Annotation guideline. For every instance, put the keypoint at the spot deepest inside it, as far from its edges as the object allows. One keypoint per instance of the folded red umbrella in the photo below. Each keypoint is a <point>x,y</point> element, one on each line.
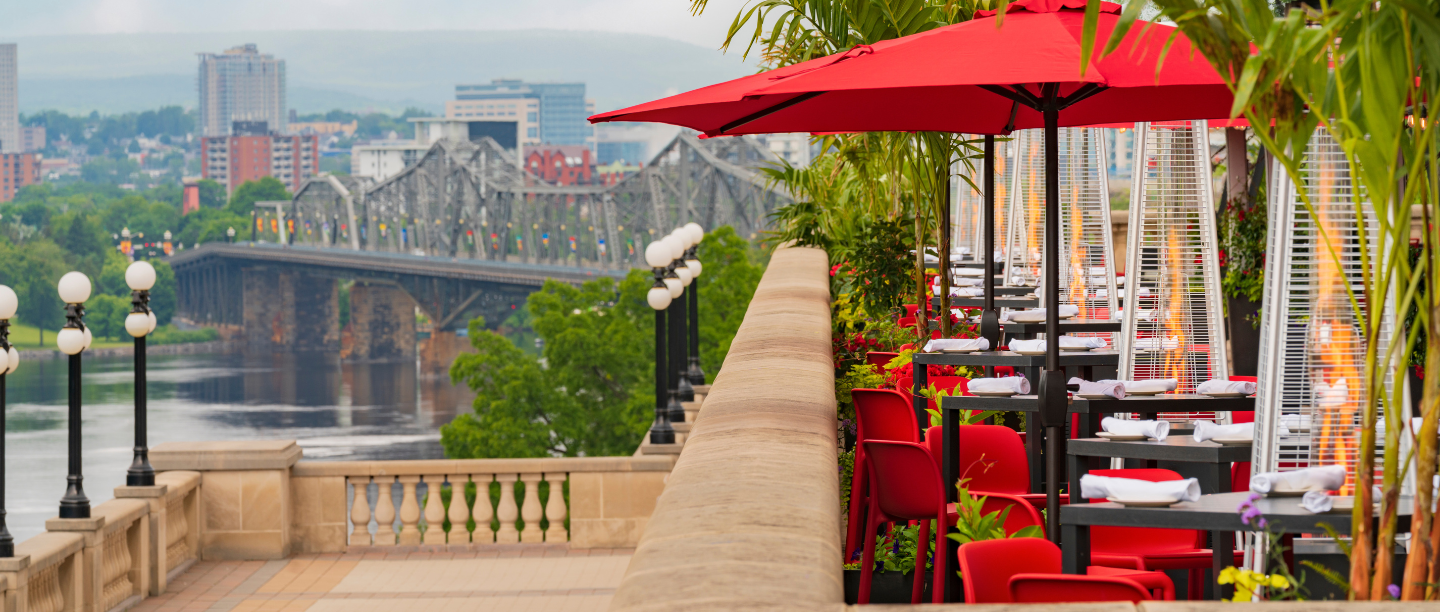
<point>982,76</point>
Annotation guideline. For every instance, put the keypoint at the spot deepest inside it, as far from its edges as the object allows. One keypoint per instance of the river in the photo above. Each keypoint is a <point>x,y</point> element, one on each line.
<point>337,411</point>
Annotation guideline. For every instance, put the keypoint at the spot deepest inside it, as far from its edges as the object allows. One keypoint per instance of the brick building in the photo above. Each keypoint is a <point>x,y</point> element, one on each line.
<point>252,152</point>
<point>16,171</point>
<point>561,164</point>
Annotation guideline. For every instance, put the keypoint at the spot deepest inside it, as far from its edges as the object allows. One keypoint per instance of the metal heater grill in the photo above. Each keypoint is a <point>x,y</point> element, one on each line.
<point>967,202</point>
<point>1173,317</point>
<point>1312,348</point>
<point>1087,260</point>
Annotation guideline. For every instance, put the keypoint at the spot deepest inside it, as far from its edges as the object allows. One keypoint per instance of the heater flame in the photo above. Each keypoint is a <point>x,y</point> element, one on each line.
<point>1333,338</point>
<point>1078,270</point>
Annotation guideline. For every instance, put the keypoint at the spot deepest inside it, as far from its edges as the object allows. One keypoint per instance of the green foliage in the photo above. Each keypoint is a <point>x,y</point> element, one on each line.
<point>1241,227</point>
<point>169,334</point>
<point>105,316</point>
<point>33,270</point>
<point>212,194</point>
<point>879,271</point>
<point>83,239</point>
<point>974,525</point>
<point>209,225</point>
<point>860,376</point>
<point>264,189</point>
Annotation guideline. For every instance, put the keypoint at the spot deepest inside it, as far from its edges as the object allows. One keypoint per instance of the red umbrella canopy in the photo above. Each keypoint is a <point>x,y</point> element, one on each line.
<point>984,76</point>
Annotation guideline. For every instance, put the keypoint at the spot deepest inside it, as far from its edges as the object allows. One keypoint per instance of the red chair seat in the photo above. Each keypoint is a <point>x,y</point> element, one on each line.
<point>1152,581</point>
<point>1065,588</point>
<point>990,568</point>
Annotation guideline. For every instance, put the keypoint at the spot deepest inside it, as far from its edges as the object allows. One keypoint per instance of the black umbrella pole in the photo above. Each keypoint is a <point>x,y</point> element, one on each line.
<point>1054,473</point>
<point>989,317</point>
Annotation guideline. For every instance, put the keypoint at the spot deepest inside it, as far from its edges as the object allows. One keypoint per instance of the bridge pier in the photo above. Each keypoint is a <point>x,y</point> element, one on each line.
<point>287,311</point>
<point>382,323</point>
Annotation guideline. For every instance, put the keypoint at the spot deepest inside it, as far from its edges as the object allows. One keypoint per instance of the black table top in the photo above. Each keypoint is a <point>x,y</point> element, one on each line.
<point>979,302</point>
<point>1143,404</point>
<point>1218,512</point>
<point>1007,358</point>
<point>1172,448</point>
<point>1067,326</point>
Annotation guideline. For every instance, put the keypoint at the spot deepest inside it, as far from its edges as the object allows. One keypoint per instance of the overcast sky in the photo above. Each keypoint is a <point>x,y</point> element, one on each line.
<point>669,18</point>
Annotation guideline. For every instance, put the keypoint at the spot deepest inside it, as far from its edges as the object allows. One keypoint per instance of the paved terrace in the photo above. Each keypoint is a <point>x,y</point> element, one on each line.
<point>521,577</point>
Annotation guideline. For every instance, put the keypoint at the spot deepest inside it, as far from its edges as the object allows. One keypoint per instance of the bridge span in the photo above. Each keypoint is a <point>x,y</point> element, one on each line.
<point>286,297</point>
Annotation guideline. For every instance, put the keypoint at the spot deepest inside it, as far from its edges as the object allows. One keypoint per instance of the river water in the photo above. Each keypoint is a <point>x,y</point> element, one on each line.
<point>337,411</point>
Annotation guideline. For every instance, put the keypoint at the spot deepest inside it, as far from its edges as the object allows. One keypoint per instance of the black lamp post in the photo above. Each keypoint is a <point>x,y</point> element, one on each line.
<point>694,373</point>
<point>9,360</point>
<point>253,226</point>
<point>72,340</point>
<point>140,276</point>
<point>679,273</point>
<point>657,255</point>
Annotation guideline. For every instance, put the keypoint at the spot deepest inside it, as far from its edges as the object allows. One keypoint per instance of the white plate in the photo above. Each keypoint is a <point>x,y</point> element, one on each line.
<point>959,351</point>
<point>1233,441</point>
<point>1031,353</point>
<point>1078,349</point>
<point>1144,502</point>
<point>1063,317</point>
<point>992,393</point>
<point>1144,393</point>
<point>1093,396</point>
<point>1287,493</point>
<point>1120,437</point>
<point>1225,394</point>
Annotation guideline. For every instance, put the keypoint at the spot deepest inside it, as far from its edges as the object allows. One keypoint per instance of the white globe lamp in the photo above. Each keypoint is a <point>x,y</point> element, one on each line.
<point>9,302</point>
<point>658,297</point>
<point>70,340</point>
<point>658,254</point>
<point>74,288</point>
<point>137,324</point>
<point>140,276</point>
<point>13,360</point>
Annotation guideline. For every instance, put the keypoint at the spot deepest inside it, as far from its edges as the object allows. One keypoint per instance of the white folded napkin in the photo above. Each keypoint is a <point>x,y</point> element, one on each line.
<point>1142,314</point>
<point>968,282</point>
<point>1120,279</point>
<point>1100,487</point>
<point>969,291</point>
<point>1150,429</point>
<point>1294,423</point>
<point>1078,342</point>
<point>956,344</point>
<point>1216,385</point>
<point>1318,502</point>
<point>1027,345</point>
<point>979,272</point>
<point>1323,478</point>
<point>1035,315</point>
<point>1161,385</point>
<point>1018,384</point>
<point>1205,430</point>
<point>1113,388</point>
<point>1141,292</point>
<point>1157,344</point>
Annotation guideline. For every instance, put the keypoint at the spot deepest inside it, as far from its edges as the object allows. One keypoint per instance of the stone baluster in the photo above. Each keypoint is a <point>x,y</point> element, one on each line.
<point>484,512</point>
<point>360,511</point>
<point>531,510</point>
<point>459,510</point>
<point>45,595</point>
<point>434,511</point>
<point>506,512</point>
<point>384,512</point>
<point>555,510</point>
<point>409,511</point>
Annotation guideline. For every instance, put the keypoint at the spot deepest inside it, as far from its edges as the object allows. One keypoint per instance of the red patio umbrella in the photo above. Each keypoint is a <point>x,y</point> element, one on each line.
<point>985,76</point>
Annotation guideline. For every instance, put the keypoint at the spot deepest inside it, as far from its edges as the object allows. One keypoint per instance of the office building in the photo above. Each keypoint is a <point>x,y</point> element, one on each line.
<point>241,84</point>
<point>9,100</point>
<point>551,113</point>
<point>627,151</point>
<point>1120,148</point>
<point>16,171</point>
<point>251,151</point>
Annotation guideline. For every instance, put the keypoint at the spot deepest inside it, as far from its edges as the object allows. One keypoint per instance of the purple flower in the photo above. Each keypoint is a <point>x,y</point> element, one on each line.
<point>1394,591</point>
<point>1248,512</point>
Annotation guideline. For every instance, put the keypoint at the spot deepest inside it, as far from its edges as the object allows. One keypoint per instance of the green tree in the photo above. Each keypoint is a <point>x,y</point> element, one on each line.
<point>33,270</point>
<point>83,239</point>
<point>266,189</point>
<point>162,295</point>
<point>105,315</point>
<point>212,194</point>
<point>730,273</point>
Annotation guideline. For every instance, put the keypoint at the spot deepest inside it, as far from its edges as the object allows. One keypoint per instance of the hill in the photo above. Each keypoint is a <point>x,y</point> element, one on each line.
<point>360,69</point>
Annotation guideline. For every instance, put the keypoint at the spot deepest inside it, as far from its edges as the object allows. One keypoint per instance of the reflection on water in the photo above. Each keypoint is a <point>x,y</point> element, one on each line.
<point>337,411</point>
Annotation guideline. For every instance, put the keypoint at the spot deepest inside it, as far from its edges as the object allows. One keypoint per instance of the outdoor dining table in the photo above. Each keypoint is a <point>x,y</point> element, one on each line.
<point>1029,329</point>
<point>1212,460</point>
<point>979,302</point>
<point>1217,514</point>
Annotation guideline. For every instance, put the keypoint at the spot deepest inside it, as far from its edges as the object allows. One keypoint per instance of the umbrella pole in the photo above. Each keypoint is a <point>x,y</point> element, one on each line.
<point>1052,393</point>
<point>989,318</point>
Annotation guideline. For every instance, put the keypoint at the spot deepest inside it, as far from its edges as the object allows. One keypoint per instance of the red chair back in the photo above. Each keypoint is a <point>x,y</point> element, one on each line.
<point>993,458</point>
<point>1066,588</point>
<point>1142,540</point>
<point>905,482</point>
<point>884,414</point>
<point>1021,515</point>
<point>987,566</point>
<point>878,359</point>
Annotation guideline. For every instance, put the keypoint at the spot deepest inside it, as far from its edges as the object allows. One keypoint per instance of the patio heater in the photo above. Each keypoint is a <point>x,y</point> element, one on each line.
<point>1087,264</point>
<point>1178,329</point>
<point>1312,349</point>
<point>968,201</point>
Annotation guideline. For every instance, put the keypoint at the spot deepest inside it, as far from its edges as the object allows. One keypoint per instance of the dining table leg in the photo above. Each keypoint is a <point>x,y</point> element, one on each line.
<point>950,466</point>
<point>1223,555</point>
<point>1077,466</point>
<point>920,382</point>
<point>1075,548</point>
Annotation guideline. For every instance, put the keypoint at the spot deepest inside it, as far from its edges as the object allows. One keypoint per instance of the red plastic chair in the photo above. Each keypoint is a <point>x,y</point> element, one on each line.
<point>989,566</point>
<point>906,486</point>
<point>881,414</point>
<point>878,359</point>
<point>993,458</point>
<point>1144,548</point>
<point>1045,588</point>
<point>1021,514</point>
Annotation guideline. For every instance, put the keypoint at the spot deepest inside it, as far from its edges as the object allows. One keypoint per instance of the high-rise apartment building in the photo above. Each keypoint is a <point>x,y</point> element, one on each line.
<point>552,113</point>
<point>9,100</point>
<point>16,171</point>
<point>252,152</point>
<point>241,84</point>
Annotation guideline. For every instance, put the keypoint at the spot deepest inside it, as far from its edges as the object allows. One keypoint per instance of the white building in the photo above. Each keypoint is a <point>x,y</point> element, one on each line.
<point>9,101</point>
<point>793,148</point>
<point>384,159</point>
<point>241,84</point>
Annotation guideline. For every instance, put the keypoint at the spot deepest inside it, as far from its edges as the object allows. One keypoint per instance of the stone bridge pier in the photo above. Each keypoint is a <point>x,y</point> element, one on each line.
<point>287,311</point>
<point>382,323</point>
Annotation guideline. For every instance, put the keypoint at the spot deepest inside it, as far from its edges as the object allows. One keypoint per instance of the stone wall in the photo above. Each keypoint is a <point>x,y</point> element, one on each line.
<point>382,323</point>
<point>285,311</point>
<point>749,518</point>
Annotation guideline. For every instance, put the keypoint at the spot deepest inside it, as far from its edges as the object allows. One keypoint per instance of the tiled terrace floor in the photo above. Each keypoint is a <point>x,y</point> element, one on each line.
<point>525,577</point>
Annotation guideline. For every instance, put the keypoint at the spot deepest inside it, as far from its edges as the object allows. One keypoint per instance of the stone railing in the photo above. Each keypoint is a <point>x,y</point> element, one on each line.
<point>111,560</point>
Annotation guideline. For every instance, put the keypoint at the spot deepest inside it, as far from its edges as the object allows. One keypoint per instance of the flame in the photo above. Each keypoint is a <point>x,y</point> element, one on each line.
<point>1333,339</point>
<point>1034,209</point>
<point>1175,362</point>
<point>1000,200</point>
<point>1078,270</point>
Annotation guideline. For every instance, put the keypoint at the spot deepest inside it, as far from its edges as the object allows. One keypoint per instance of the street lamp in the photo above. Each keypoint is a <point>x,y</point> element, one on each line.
<point>11,360</point>
<point>140,276</point>
<point>680,389</point>
<point>694,373</point>
<point>658,256</point>
<point>74,338</point>
<point>253,226</point>
<point>230,234</point>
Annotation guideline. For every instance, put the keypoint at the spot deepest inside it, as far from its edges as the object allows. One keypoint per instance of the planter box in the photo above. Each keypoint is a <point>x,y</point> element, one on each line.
<point>886,587</point>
